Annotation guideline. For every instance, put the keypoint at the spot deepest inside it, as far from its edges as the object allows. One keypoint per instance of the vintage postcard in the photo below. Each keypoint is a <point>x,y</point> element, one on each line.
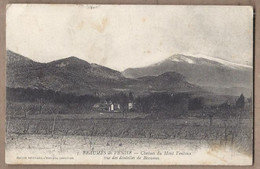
<point>129,84</point>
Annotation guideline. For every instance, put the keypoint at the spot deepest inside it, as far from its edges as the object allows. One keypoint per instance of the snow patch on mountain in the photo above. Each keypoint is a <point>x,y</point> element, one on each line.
<point>193,59</point>
<point>222,61</point>
<point>62,64</point>
<point>181,58</point>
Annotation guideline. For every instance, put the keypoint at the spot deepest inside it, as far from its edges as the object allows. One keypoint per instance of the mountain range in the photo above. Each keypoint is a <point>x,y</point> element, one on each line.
<point>215,75</point>
<point>178,73</point>
<point>73,75</point>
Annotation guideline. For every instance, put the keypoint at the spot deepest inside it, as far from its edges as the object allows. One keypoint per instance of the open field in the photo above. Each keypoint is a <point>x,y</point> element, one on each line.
<point>81,116</point>
<point>224,131</point>
<point>26,149</point>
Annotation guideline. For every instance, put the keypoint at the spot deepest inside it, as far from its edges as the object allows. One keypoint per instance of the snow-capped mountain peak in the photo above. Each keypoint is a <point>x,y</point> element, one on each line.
<point>222,61</point>
<point>204,59</point>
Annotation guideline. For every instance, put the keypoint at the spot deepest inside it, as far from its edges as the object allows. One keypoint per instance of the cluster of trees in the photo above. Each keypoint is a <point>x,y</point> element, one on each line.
<point>48,96</point>
<point>240,103</point>
<point>196,103</point>
<point>163,104</point>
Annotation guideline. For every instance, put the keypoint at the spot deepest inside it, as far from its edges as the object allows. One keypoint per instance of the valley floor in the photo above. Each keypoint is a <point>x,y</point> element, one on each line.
<point>43,149</point>
<point>131,138</point>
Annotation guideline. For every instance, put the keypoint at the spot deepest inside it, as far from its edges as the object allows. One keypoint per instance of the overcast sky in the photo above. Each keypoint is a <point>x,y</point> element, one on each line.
<point>123,36</point>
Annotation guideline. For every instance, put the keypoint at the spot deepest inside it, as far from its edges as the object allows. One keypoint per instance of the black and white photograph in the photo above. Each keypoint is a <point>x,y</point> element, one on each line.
<point>129,84</point>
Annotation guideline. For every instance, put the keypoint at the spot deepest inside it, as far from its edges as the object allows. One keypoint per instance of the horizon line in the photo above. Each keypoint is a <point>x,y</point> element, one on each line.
<point>194,56</point>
